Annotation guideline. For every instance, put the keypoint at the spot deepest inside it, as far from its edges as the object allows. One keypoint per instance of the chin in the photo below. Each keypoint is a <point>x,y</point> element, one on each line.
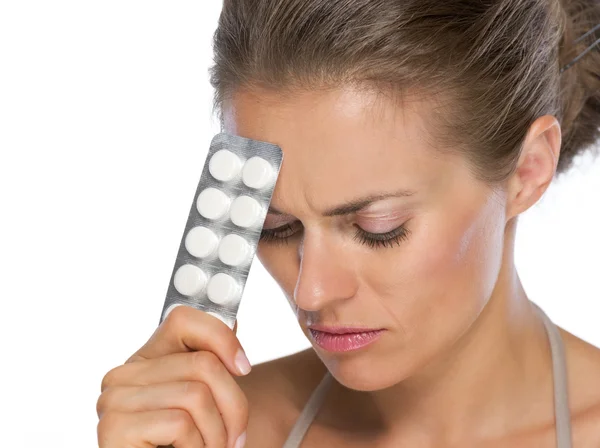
<point>362,372</point>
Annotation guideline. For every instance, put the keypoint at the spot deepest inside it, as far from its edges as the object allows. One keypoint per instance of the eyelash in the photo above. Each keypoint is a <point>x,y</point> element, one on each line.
<point>373,240</point>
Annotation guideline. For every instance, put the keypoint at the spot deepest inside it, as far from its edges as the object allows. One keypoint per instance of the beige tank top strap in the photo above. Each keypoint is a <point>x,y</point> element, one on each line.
<point>309,413</point>
<point>561,397</point>
<point>562,414</point>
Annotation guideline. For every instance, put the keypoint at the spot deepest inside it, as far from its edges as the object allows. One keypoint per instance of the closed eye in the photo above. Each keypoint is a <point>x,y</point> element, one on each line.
<point>282,235</point>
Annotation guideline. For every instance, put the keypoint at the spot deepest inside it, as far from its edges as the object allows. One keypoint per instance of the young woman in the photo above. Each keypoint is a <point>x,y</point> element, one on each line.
<point>414,134</point>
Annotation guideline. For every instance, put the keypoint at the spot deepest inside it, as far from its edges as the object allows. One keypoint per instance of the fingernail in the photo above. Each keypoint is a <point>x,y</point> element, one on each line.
<point>242,363</point>
<point>241,441</point>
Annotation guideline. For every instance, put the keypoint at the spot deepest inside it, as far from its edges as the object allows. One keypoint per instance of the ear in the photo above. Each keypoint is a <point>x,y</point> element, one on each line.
<point>536,165</point>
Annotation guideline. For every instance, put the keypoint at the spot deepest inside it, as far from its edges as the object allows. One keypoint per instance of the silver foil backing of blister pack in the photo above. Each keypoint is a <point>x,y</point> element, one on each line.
<point>244,148</point>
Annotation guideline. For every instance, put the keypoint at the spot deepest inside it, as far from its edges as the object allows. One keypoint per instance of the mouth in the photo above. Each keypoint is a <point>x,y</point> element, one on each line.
<point>343,339</point>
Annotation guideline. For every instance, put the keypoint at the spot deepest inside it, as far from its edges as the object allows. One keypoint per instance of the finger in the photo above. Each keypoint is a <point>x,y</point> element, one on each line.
<point>193,397</point>
<point>202,367</point>
<point>148,430</point>
<point>188,329</point>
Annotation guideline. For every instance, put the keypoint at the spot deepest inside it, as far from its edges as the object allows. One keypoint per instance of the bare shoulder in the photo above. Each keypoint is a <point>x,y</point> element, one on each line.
<point>583,370</point>
<point>277,391</point>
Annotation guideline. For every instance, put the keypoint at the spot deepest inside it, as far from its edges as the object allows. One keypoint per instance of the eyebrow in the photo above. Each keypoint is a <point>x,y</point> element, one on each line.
<point>356,204</point>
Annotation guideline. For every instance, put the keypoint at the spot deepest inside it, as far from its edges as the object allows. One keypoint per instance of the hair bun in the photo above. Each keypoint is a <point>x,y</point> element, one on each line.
<point>580,84</point>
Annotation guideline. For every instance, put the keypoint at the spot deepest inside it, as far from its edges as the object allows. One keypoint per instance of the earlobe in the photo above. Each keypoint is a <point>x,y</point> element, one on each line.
<point>536,166</point>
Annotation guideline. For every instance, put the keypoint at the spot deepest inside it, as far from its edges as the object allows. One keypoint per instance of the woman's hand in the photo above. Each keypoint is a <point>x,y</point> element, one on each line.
<point>178,388</point>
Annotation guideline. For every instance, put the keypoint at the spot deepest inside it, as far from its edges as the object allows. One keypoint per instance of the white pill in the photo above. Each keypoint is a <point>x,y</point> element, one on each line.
<point>189,280</point>
<point>233,250</point>
<point>201,242</point>
<point>212,203</point>
<point>257,172</point>
<point>171,308</point>
<point>245,211</point>
<point>224,165</point>
<point>223,289</point>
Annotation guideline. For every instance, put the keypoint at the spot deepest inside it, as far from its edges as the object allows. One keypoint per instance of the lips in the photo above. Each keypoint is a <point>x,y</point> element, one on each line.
<point>343,339</point>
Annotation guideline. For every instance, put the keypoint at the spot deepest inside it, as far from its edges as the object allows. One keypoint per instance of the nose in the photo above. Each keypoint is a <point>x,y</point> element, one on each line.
<point>325,275</point>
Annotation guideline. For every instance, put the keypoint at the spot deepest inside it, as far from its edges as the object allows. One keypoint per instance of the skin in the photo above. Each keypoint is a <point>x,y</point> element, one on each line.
<point>464,359</point>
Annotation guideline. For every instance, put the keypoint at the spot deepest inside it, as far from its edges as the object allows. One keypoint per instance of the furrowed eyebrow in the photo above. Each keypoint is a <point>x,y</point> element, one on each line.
<point>354,205</point>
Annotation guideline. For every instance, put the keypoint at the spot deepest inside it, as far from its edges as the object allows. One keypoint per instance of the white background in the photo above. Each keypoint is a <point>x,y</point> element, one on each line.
<point>104,127</point>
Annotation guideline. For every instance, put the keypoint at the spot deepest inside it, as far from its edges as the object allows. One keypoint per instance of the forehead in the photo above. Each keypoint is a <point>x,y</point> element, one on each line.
<point>339,143</point>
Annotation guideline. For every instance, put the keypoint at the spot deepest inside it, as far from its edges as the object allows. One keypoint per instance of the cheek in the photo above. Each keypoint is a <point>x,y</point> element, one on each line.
<point>282,263</point>
<point>442,277</point>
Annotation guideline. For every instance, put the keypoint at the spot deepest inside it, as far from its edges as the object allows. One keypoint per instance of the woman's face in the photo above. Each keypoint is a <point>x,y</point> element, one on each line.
<point>419,265</point>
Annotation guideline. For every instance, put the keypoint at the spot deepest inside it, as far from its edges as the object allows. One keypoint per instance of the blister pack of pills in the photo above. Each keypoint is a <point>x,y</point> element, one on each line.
<point>224,225</point>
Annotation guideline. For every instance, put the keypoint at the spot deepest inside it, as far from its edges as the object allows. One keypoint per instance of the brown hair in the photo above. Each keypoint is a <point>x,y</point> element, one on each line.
<point>492,66</point>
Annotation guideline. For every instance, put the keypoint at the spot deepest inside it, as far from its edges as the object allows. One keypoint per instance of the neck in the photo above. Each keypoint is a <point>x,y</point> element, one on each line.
<point>495,381</point>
